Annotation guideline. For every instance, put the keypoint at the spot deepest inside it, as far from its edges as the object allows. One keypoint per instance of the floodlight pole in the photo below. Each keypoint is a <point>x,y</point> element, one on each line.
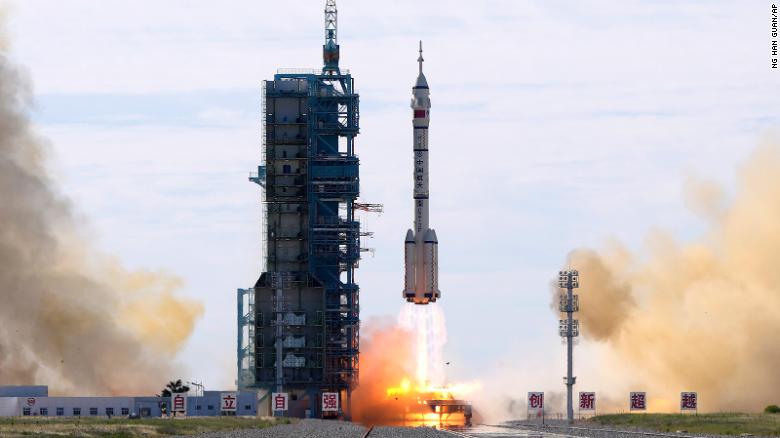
<point>569,328</point>
<point>569,358</point>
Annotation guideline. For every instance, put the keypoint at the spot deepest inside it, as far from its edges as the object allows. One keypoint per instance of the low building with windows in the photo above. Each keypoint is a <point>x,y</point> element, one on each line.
<point>34,401</point>
<point>75,406</point>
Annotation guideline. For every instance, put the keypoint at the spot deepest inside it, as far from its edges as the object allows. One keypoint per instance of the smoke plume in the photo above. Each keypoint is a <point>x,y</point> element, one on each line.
<point>72,317</point>
<point>699,316</point>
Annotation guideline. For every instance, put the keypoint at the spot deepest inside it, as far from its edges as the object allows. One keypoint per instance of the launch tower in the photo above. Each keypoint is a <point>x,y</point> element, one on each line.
<point>298,326</point>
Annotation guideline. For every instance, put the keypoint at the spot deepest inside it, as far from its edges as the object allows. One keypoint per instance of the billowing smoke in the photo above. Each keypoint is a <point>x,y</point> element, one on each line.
<point>72,317</point>
<point>698,316</point>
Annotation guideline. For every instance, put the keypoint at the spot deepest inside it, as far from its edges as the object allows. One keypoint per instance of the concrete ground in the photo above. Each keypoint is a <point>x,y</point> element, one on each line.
<point>559,429</point>
<point>310,428</point>
<point>339,429</point>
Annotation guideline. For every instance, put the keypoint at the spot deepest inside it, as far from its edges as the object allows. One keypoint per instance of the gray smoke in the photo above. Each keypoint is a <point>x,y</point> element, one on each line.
<point>72,317</point>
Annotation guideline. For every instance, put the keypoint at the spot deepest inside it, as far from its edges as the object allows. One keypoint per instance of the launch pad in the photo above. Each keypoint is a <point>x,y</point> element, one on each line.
<point>429,406</point>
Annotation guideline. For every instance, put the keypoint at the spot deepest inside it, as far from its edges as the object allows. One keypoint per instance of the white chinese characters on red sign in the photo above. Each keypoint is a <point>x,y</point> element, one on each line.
<point>279,401</point>
<point>228,402</point>
<point>179,404</point>
<point>587,401</point>
<point>536,403</point>
<point>689,401</point>
<point>330,402</point>
<point>638,401</point>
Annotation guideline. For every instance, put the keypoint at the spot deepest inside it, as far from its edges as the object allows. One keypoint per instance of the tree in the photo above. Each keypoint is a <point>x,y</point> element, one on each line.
<point>174,387</point>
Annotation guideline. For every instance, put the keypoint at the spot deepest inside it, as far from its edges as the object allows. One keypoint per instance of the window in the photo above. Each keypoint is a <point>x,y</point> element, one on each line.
<point>211,407</point>
<point>60,412</point>
<point>26,411</point>
<point>109,411</point>
<point>286,168</point>
<point>93,411</point>
<point>197,407</point>
<point>76,412</point>
<point>44,411</point>
<point>125,411</point>
<point>247,407</point>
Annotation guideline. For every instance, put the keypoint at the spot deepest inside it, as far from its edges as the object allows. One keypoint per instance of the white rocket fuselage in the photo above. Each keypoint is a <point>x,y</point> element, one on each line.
<point>421,254</point>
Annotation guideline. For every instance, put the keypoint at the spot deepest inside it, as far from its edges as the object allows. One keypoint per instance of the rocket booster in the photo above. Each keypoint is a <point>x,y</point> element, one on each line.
<point>421,248</point>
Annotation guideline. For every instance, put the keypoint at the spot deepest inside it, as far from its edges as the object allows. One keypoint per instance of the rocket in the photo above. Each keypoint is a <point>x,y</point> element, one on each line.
<point>421,248</point>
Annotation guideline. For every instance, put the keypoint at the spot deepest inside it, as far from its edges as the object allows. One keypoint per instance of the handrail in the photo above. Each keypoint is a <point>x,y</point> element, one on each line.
<point>306,71</point>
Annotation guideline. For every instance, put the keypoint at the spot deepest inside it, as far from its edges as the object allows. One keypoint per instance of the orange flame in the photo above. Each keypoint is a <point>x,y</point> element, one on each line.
<point>388,396</point>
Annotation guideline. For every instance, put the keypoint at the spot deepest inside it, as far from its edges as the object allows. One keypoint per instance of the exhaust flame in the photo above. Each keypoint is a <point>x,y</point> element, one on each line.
<point>427,325</point>
<point>402,373</point>
<point>72,317</point>
<point>700,316</point>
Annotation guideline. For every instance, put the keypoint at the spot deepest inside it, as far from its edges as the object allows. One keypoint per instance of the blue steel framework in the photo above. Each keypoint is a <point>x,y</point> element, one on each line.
<point>322,296</point>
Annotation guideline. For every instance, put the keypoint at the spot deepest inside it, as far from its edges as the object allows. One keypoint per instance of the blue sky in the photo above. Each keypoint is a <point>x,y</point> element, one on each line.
<point>554,125</point>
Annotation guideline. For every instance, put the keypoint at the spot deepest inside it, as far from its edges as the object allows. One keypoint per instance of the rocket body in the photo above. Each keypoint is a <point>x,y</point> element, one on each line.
<point>421,254</point>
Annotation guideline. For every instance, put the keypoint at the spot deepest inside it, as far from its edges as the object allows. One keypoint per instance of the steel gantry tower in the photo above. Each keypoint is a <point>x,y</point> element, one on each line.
<point>299,324</point>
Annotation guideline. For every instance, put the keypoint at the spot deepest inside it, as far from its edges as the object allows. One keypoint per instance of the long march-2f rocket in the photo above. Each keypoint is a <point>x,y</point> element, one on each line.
<point>421,248</point>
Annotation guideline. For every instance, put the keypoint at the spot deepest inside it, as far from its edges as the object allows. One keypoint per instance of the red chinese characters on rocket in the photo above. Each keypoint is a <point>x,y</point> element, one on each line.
<point>638,401</point>
<point>587,401</point>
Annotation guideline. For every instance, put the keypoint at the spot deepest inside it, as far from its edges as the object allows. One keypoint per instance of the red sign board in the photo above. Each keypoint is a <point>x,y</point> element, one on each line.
<point>280,401</point>
<point>228,402</point>
<point>587,401</point>
<point>638,401</point>
<point>689,401</point>
<point>536,404</point>
<point>330,402</point>
<point>179,404</point>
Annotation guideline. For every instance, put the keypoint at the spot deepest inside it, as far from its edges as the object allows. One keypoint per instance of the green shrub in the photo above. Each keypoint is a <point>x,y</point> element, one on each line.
<point>772,409</point>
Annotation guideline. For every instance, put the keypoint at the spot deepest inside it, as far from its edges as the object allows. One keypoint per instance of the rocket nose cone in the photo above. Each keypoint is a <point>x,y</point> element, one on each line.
<point>409,236</point>
<point>422,82</point>
<point>433,236</point>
